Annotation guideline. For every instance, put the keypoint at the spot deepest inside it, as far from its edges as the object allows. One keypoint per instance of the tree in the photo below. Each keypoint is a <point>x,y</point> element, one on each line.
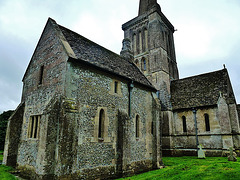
<point>3,126</point>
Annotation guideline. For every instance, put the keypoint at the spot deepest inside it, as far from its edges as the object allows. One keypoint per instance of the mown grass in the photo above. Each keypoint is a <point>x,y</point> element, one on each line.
<point>4,170</point>
<point>177,168</point>
<point>211,168</point>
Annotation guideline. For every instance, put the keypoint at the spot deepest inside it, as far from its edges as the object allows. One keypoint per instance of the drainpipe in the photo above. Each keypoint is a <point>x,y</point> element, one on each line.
<point>195,123</point>
<point>130,87</point>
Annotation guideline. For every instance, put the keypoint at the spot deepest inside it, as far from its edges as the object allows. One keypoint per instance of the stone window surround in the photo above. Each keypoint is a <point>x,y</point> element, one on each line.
<point>140,126</point>
<point>105,137</point>
<point>140,40</point>
<point>41,75</point>
<point>33,126</point>
<point>118,91</point>
<point>184,123</point>
<point>101,122</point>
<point>207,122</point>
<point>137,129</point>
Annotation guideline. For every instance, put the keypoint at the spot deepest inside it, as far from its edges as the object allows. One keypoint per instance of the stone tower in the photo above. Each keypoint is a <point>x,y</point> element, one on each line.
<point>151,37</point>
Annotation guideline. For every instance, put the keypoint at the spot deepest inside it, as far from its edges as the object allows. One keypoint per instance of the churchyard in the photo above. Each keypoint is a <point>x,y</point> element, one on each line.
<point>214,168</point>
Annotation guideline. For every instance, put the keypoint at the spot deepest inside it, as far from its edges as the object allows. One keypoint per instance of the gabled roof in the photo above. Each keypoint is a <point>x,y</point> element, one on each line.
<point>98,56</point>
<point>82,50</point>
<point>201,90</point>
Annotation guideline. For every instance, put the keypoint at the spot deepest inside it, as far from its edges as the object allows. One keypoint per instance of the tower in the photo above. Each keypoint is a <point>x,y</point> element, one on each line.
<point>151,36</point>
<point>152,43</point>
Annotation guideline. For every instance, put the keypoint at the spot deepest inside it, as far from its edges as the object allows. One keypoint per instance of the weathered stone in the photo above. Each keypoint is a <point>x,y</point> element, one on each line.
<point>201,154</point>
<point>88,113</point>
<point>231,156</point>
<point>70,84</point>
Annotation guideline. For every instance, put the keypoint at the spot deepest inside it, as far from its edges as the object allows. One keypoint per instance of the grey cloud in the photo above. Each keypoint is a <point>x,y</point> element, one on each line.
<point>18,41</point>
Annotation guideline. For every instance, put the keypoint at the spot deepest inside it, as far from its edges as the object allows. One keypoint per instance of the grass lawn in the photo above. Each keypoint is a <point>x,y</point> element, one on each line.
<point>214,168</point>
<point>1,156</point>
<point>177,168</point>
<point>4,170</point>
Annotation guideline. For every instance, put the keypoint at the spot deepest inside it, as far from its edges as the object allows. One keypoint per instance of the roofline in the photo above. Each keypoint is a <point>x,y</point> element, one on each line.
<point>196,108</point>
<point>61,26</point>
<point>203,74</point>
<point>113,73</point>
<point>50,20</point>
<point>109,52</point>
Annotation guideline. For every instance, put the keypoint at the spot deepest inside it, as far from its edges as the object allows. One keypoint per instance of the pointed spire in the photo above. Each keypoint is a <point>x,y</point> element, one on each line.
<point>146,5</point>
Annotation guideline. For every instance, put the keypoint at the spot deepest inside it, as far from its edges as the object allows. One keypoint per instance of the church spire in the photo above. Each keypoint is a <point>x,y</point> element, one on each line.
<point>146,5</point>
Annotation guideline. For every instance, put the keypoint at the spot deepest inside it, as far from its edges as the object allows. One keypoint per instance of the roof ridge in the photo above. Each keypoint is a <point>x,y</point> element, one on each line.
<point>90,40</point>
<point>99,56</point>
<point>203,74</point>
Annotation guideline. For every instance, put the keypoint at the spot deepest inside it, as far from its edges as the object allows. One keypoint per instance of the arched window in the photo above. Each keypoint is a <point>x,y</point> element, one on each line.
<point>152,126</point>
<point>140,42</point>
<point>137,126</point>
<point>135,43</point>
<point>146,39</point>
<point>101,123</point>
<point>184,124</point>
<point>144,64</point>
<point>207,123</point>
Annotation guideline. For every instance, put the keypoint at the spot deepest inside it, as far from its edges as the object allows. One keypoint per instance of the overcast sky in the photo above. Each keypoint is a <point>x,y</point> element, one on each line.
<point>207,36</point>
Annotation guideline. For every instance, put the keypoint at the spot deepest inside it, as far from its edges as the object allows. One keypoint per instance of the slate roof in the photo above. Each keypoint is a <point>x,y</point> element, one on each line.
<point>201,90</point>
<point>90,52</point>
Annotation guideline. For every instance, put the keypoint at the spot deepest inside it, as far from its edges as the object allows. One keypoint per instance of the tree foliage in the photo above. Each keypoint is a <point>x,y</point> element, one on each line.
<point>3,126</point>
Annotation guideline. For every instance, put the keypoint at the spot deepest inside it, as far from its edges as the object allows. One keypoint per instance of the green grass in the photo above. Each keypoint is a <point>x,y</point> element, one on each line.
<point>177,168</point>
<point>211,168</point>
<point>1,155</point>
<point>4,170</point>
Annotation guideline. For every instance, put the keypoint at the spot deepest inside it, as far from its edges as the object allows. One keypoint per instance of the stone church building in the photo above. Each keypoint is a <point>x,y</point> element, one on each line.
<point>88,113</point>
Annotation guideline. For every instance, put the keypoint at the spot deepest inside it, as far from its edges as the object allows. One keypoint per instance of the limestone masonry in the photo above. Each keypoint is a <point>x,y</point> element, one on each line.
<point>88,113</point>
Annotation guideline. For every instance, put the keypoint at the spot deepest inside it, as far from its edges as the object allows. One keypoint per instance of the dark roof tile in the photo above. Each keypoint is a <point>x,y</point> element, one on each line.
<point>201,90</point>
<point>90,52</point>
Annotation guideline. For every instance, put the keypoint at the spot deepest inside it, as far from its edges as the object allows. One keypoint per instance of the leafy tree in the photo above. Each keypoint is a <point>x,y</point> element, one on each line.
<point>3,126</point>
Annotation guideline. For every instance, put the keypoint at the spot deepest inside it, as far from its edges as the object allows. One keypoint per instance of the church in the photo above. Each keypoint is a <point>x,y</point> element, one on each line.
<point>88,113</point>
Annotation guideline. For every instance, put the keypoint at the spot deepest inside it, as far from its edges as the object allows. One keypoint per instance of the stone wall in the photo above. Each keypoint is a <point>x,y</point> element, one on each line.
<point>80,152</point>
<point>156,47</point>
<point>68,145</point>
<point>13,133</point>
<point>68,96</point>
<point>238,110</point>
<point>49,54</point>
<point>214,141</point>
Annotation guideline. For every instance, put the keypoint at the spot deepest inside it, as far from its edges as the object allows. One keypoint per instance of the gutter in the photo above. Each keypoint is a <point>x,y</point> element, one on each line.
<point>196,128</point>
<point>130,88</point>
